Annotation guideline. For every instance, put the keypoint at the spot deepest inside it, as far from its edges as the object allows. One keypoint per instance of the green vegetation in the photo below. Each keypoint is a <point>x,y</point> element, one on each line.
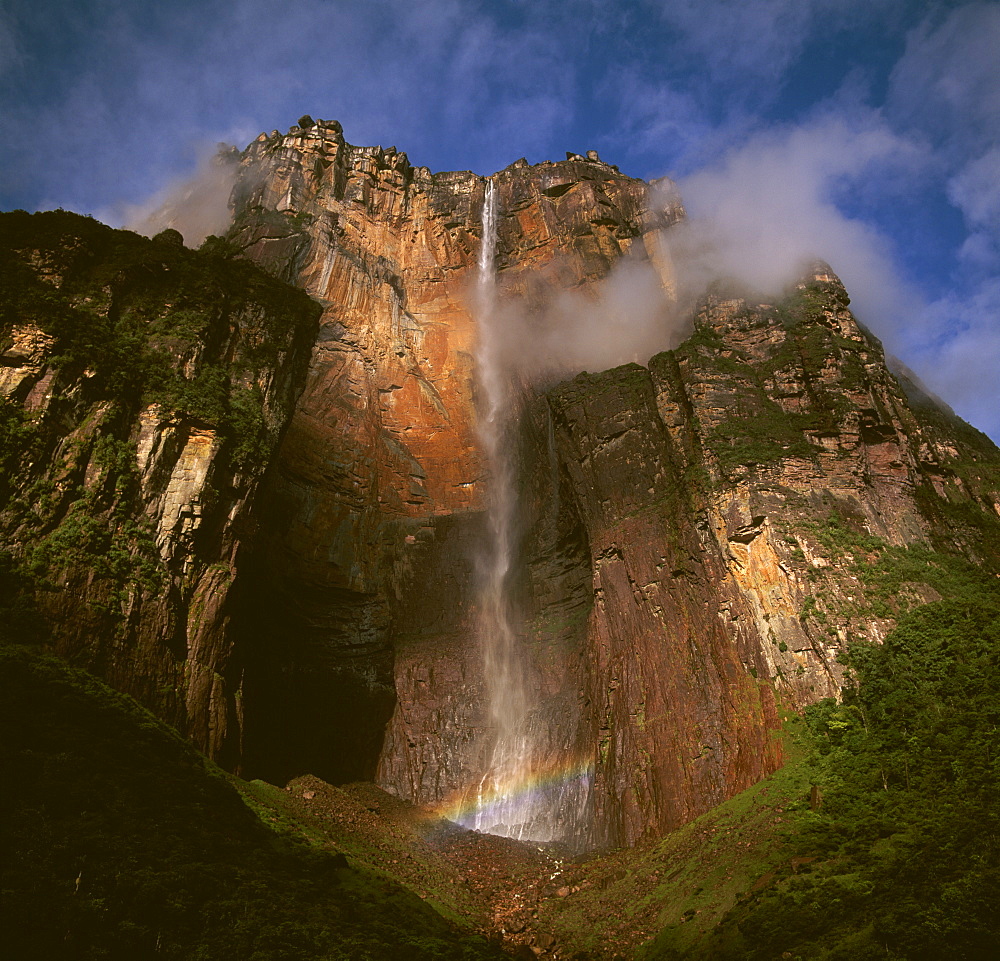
<point>127,322</point>
<point>758,431</point>
<point>140,321</point>
<point>906,845</point>
<point>388,846</point>
<point>17,437</point>
<point>895,578</point>
<point>102,533</point>
<point>685,883</point>
<point>764,437</point>
<point>120,841</point>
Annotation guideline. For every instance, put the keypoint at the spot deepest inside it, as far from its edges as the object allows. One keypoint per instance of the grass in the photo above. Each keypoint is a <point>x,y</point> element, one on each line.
<point>121,841</point>
<point>379,835</point>
<point>669,894</point>
<point>894,578</point>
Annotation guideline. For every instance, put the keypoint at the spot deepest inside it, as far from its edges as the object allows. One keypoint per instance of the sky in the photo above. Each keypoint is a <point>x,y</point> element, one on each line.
<point>864,132</point>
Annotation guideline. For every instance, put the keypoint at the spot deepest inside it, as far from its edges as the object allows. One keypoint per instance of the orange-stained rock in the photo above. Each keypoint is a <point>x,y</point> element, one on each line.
<point>667,556</point>
<point>382,449</point>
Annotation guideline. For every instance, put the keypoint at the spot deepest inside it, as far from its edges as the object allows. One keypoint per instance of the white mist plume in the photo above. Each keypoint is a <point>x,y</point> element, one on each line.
<point>756,218</point>
<point>770,206</point>
<point>196,206</point>
<point>552,332</point>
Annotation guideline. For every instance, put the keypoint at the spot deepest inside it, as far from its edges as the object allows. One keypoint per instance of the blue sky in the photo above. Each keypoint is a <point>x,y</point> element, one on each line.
<point>866,132</point>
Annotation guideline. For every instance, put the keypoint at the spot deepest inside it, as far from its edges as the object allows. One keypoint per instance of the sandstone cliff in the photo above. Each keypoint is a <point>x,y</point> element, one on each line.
<point>681,574</point>
<point>380,486</point>
<point>144,387</point>
<point>276,549</point>
<point>752,502</point>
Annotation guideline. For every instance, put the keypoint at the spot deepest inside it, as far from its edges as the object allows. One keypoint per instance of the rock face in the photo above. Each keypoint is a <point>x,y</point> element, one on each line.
<point>379,491</point>
<point>673,514</point>
<point>293,578</point>
<point>706,486</point>
<point>144,388</point>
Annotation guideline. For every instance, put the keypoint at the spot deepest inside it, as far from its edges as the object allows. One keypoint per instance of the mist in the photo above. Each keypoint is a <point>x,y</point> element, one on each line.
<point>197,206</point>
<point>755,219</point>
<point>550,333</point>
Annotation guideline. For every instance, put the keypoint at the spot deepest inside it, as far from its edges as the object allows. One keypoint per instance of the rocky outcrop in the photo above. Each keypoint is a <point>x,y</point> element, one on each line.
<point>376,500</point>
<point>799,425</point>
<point>145,386</point>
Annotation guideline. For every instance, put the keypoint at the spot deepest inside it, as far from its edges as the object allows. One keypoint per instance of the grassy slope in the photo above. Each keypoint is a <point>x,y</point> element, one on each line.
<point>122,842</point>
<point>379,833</point>
<point>675,890</point>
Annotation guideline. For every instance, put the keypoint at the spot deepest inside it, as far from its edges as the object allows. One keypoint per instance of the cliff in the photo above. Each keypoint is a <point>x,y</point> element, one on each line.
<point>752,502</point>
<point>268,530</point>
<point>378,497</point>
<point>145,387</point>
<point>692,531</point>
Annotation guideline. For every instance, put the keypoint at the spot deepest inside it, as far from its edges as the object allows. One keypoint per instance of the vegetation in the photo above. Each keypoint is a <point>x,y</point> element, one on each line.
<point>906,846</point>
<point>895,578</point>
<point>880,838</point>
<point>763,438</point>
<point>120,841</point>
<point>758,431</point>
<point>127,322</point>
<point>16,440</point>
<point>683,884</point>
<point>138,321</point>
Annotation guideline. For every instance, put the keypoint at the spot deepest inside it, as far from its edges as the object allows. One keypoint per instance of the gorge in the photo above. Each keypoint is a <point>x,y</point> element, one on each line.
<point>335,497</point>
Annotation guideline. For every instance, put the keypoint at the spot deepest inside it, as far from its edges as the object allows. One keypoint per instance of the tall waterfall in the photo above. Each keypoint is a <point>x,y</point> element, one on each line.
<point>496,809</point>
<point>525,791</point>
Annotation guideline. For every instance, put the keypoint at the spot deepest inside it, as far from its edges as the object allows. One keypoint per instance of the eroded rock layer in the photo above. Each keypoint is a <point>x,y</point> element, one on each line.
<point>143,389</point>
<point>377,501</point>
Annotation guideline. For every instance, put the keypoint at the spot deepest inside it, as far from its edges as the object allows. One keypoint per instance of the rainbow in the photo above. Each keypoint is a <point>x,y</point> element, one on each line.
<point>525,790</point>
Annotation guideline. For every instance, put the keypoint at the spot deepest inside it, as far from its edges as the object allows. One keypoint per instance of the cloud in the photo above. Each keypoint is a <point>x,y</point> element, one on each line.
<point>947,83</point>
<point>770,205</point>
<point>100,114</point>
<point>136,89</point>
<point>627,317</point>
<point>750,46</point>
<point>975,190</point>
<point>196,206</point>
<point>738,39</point>
<point>964,366</point>
<point>656,117</point>
<point>946,86</point>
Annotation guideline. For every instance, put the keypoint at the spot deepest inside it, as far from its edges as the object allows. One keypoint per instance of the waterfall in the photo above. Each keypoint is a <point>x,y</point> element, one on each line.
<point>495,810</point>
<point>525,791</point>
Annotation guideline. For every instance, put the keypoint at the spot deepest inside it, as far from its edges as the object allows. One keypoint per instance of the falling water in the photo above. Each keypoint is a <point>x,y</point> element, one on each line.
<point>495,810</point>
<point>523,793</point>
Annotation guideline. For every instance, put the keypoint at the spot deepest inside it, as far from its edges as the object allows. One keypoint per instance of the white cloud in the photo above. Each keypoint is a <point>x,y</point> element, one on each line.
<point>656,117</point>
<point>962,363</point>
<point>738,38</point>
<point>947,82</point>
<point>975,190</point>
<point>133,91</point>
<point>625,318</point>
<point>196,206</point>
<point>769,205</point>
<point>753,43</point>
